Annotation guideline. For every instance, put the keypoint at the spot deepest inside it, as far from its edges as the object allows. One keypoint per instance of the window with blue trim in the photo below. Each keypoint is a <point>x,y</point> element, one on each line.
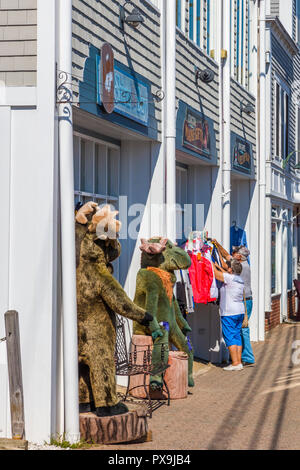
<point>200,23</point>
<point>191,20</point>
<point>240,30</point>
<point>178,13</point>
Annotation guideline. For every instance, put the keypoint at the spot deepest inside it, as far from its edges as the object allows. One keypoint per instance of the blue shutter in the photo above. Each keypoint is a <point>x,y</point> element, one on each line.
<point>198,21</point>
<point>178,13</point>
<point>191,20</point>
<point>208,26</point>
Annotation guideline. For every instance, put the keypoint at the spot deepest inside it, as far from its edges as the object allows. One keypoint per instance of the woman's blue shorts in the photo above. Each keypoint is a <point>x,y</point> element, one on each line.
<point>232,329</point>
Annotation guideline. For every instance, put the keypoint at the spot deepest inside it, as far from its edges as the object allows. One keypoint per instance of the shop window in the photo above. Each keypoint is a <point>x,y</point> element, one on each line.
<point>273,256</point>
<point>96,174</point>
<point>281,125</point>
<point>96,171</point>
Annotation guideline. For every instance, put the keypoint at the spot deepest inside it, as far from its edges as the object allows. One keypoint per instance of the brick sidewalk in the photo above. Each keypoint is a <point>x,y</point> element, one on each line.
<point>257,408</point>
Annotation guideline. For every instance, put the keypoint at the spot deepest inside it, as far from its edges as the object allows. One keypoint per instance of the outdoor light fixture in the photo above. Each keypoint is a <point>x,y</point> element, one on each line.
<point>248,108</point>
<point>206,76</point>
<point>134,19</point>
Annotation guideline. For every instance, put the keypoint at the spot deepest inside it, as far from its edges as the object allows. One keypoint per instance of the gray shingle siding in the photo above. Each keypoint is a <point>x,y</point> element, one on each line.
<point>188,57</point>
<point>241,123</point>
<point>18,42</point>
<point>96,22</point>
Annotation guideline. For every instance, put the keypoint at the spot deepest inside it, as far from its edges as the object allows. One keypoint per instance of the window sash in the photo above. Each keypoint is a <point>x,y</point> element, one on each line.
<point>282,106</point>
<point>86,171</point>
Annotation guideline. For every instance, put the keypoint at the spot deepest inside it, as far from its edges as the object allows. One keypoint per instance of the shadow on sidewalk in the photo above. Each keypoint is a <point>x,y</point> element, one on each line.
<point>269,353</point>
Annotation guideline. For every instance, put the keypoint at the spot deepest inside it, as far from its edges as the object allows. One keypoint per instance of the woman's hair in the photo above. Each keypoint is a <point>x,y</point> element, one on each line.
<point>236,267</point>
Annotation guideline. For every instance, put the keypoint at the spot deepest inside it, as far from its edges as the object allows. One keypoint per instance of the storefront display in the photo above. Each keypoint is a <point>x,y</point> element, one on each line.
<point>154,292</point>
<point>203,252</point>
<point>99,298</point>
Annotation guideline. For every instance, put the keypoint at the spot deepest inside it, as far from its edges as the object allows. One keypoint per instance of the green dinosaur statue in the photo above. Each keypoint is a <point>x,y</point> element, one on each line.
<point>99,298</point>
<point>154,293</point>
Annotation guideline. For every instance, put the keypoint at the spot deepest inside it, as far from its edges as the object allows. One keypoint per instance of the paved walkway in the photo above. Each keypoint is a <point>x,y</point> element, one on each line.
<point>257,408</point>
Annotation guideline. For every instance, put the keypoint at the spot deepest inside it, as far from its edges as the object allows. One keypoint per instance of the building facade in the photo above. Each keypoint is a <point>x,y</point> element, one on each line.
<point>282,156</point>
<point>182,123</point>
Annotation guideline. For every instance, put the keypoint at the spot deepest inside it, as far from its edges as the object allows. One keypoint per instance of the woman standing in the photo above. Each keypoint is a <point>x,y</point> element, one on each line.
<point>232,310</point>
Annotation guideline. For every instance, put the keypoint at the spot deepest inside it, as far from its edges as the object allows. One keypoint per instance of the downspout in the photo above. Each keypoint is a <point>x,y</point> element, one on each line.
<point>268,215</point>
<point>225,91</point>
<point>261,106</point>
<point>170,117</point>
<point>69,308</point>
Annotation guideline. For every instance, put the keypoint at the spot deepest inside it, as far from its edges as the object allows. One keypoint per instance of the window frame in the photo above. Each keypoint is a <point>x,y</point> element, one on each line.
<point>80,194</point>
<point>281,125</point>
<point>240,41</point>
<point>199,23</point>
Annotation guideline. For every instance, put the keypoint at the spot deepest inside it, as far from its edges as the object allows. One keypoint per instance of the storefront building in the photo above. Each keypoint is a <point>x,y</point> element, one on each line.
<point>143,118</point>
<point>282,136</point>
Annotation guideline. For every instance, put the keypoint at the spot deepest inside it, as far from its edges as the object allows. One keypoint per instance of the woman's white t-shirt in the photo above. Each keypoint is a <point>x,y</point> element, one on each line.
<point>232,295</point>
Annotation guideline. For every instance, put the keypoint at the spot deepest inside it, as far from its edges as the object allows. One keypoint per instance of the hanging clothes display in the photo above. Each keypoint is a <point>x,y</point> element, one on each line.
<point>201,271</point>
<point>238,237</point>
<point>184,292</point>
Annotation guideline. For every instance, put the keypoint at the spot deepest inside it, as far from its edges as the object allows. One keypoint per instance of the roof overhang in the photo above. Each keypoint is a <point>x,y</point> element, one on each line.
<point>282,35</point>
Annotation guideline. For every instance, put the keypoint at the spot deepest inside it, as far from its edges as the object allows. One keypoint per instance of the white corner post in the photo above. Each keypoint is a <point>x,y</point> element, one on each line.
<point>226,131</point>
<point>261,157</point>
<point>170,116</point>
<point>69,307</point>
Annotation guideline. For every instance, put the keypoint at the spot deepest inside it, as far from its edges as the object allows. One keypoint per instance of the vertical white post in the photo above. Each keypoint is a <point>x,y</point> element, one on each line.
<point>70,348</point>
<point>268,162</point>
<point>262,166</point>
<point>170,116</point>
<point>226,169</point>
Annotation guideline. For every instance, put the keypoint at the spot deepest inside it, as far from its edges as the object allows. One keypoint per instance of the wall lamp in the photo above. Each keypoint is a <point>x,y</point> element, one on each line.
<point>206,75</point>
<point>133,19</point>
<point>247,108</point>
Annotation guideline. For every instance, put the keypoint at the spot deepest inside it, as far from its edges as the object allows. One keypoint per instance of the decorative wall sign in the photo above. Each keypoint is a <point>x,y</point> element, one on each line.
<point>196,135</point>
<point>241,151</point>
<point>120,91</point>
<point>107,77</point>
<point>131,96</point>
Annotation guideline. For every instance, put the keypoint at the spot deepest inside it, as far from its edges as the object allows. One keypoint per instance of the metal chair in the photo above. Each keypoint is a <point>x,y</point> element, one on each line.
<point>126,363</point>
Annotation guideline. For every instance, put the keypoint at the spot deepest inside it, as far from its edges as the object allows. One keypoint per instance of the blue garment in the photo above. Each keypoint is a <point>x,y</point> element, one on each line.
<point>247,353</point>
<point>215,258</point>
<point>238,237</point>
<point>231,329</point>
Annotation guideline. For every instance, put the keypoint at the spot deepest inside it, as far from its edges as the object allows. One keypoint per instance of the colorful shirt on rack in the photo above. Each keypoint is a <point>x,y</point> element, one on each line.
<point>201,275</point>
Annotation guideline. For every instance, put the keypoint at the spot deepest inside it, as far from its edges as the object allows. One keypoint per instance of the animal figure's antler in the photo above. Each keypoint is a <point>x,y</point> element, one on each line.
<point>153,248</point>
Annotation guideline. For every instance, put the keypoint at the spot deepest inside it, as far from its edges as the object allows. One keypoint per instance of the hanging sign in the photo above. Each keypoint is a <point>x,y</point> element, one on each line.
<point>131,96</point>
<point>196,135</point>
<point>107,77</point>
<point>119,90</point>
<point>241,154</point>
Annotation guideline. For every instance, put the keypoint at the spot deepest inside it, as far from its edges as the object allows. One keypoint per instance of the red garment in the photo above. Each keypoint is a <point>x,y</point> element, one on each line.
<point>201,275</point>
